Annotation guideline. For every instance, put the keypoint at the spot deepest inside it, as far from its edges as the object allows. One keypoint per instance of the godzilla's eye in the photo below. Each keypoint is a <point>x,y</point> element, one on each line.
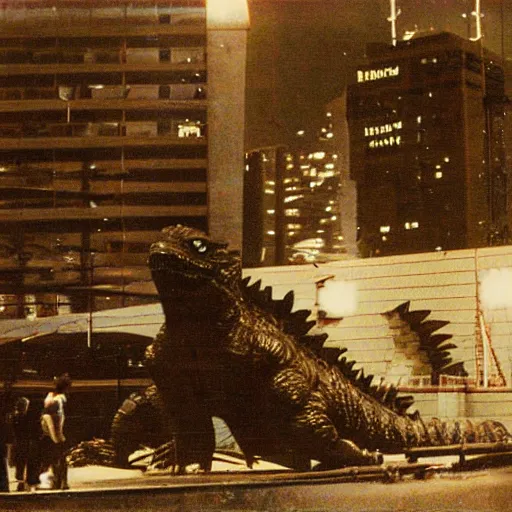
<point>199,245</point>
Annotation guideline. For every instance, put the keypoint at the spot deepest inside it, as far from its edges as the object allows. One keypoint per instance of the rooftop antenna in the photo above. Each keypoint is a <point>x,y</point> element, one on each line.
<point>477,13</point>
<point>392,19</point>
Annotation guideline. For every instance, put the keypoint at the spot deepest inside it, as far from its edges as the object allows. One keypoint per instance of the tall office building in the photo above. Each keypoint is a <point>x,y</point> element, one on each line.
<point>113,124</point>
<point>427,147</point>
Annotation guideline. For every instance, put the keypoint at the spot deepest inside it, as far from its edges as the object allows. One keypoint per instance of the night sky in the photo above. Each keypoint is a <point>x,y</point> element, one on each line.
<point>301,53</point>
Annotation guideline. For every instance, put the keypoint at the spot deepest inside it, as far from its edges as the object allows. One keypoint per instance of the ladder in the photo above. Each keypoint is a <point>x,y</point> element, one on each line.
<point>488,368</point>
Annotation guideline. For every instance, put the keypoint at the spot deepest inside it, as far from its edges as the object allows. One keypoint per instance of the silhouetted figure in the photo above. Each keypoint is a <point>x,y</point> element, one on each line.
<point>53,448</point>
<point>27,434</point>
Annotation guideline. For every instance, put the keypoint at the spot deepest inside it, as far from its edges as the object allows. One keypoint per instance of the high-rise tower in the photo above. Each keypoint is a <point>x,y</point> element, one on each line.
<point>426,144</point>
<point>112,118</point>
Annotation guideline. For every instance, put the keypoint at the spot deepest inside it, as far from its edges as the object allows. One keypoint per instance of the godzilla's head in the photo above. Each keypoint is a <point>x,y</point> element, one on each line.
<point>189,268</point>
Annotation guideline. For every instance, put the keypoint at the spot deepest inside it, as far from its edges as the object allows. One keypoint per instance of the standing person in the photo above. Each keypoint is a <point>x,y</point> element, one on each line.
<point>53,439</point>
<point>27,433</point>
<point>21,445</point>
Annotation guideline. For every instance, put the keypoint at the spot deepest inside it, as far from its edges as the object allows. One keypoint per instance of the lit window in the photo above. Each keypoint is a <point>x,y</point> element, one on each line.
<point>271,233</point>
<point>446,159</point>
<point>415,225</point>
<point>439,175</point>
<point>384,238</point>
<point>290,199</point>
<point>271,212</point>
<point>439,248</point>
<point>189,130</point>
<point>292,212</point>
<point>385,229</point>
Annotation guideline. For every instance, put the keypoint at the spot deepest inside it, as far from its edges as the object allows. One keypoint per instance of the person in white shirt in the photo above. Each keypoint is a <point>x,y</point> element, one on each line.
<point>53,440</point>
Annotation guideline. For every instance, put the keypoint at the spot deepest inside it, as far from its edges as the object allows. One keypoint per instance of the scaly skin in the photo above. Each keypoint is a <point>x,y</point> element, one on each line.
<point>221,354</point>
<point>228,350</point>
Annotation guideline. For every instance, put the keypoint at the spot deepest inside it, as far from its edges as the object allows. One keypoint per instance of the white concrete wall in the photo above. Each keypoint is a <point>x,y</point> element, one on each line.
<point>443,282</point>
<point>226,52</point>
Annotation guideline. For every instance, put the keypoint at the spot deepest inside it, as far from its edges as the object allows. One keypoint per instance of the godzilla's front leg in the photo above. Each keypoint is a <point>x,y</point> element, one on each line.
<point>194,441</point>
<point>333,450</point>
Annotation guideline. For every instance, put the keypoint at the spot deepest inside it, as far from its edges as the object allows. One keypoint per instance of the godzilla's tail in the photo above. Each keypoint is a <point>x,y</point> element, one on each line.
<point>440,433</point>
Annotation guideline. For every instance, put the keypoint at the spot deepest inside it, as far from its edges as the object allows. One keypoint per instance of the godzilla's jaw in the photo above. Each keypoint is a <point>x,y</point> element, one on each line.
<point>174,279</point>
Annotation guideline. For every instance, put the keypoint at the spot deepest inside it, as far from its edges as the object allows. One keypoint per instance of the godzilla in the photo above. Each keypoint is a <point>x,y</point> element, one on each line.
<point>227,349</point>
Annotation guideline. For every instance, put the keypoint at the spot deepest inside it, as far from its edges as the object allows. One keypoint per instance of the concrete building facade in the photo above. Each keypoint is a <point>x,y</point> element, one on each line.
<point>113,122</point>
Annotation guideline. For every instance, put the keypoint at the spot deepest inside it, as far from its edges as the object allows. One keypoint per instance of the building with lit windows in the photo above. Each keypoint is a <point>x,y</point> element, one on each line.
<point>113,121</point>
<point>292,203</point>
<point>426,123</point>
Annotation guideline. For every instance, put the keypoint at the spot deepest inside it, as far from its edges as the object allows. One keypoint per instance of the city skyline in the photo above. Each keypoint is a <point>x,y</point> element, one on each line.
<point>302,53</point>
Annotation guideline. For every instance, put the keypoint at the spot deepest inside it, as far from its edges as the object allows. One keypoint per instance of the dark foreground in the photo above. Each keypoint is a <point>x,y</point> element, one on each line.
<point>430,488</point>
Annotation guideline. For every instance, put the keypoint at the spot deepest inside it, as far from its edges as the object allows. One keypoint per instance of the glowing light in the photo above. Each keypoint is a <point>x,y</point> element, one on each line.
<point>338,298</point>
<point>227,14</point>
<point>377,74</point>
<point>496,288</point>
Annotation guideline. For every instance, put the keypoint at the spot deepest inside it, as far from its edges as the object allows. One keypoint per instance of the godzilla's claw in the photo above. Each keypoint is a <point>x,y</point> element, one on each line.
<point>349,454</point>
<point>164,457</point>
<point>98,452</point>
<point>373,458</point>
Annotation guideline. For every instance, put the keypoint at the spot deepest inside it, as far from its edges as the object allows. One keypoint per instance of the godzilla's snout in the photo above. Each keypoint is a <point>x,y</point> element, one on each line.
<point>171,274</point>
<point>158,258</point>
